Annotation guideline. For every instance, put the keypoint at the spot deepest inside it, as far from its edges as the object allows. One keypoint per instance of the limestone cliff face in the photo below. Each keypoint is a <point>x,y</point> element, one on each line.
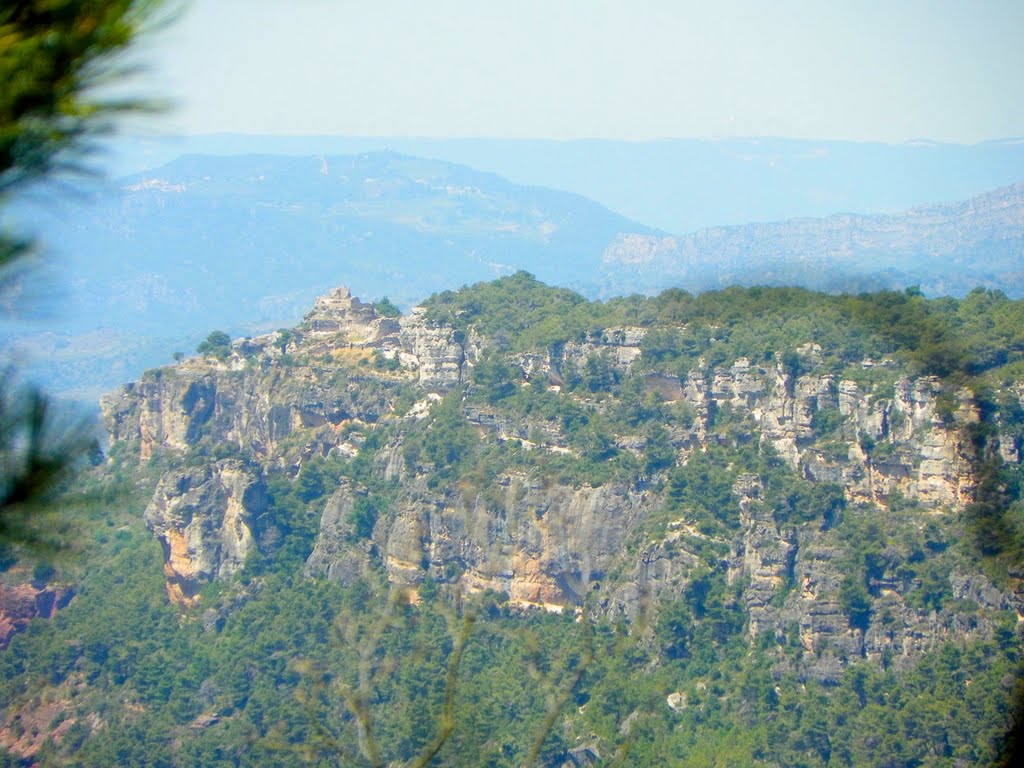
<point>543,545</point>
<point>562,548</point>
<point>255,410</point>
<point>164,410</point>
<point>438,354</point>
<point>324,388</point>
<point>262,396</point>
<point>208,521</point>
<point>337,554</point>
<point>880,445</point>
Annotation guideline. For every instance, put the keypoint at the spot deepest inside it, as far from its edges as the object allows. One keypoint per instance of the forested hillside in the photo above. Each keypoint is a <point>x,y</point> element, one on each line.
<point>518,527</point>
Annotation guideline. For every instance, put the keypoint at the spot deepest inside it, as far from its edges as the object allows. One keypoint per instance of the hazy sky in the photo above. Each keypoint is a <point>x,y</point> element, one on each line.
<point>890,70</point>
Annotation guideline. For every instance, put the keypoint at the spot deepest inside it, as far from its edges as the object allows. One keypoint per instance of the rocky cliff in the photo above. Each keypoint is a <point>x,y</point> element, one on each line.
<point>351,383</point>
<point>208,520</point>
<point>936,247</point>
<point>21,603</point>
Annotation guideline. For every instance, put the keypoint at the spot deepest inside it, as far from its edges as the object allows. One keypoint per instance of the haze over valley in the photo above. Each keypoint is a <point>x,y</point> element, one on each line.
<point>148,264</point>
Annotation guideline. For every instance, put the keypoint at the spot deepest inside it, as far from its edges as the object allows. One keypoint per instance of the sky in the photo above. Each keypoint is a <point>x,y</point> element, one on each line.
<point>892,71</point>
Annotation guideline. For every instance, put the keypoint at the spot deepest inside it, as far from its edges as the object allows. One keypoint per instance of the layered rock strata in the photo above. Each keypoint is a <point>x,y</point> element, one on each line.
<point>208,520</point>
<point>322,388</point>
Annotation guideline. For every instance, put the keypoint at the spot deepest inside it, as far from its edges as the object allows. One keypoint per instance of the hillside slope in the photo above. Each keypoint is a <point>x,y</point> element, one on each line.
<point>762,526</point>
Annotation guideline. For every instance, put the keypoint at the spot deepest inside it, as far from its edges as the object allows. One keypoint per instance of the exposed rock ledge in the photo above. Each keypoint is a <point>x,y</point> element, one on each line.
<point>21,603</point>
<point>207,520</point>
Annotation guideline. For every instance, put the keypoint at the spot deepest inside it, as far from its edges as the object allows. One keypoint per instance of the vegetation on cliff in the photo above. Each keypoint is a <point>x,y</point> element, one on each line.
<point>733,528</point>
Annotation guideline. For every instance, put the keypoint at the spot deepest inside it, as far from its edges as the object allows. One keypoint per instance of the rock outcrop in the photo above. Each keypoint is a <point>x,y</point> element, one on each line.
<point>438,354</point>
<point>208,521</point>
<point>21,603</point>
<point>541,545</point>
<point>255,410</point>
<point>881,445</point>
<point>339,313</point>
<point>347,374</point>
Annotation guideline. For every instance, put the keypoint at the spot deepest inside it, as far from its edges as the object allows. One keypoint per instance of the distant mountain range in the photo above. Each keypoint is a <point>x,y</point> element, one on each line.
<point>944,249</point>
<point>243,243</point>
<point>677,185</point>
<point>251,240</point>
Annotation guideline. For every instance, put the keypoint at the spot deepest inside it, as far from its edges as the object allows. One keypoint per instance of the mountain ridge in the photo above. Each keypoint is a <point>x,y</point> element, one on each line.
<point>944,249</point>
<point>767,512</point>
<point>171,261</point>
<point>680,185</point>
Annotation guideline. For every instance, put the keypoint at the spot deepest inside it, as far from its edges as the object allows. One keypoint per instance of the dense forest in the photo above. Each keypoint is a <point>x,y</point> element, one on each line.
<point>359,656</point>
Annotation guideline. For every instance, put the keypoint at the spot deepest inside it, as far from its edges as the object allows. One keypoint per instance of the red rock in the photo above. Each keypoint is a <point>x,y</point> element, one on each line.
<point>21,603</point>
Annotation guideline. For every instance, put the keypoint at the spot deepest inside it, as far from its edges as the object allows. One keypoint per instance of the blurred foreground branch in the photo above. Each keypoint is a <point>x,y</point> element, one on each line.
<point>55,57</point>
<point>38,451</point>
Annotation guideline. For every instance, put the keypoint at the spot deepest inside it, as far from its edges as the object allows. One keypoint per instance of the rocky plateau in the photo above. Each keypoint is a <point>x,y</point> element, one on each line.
<point>225,426</point>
